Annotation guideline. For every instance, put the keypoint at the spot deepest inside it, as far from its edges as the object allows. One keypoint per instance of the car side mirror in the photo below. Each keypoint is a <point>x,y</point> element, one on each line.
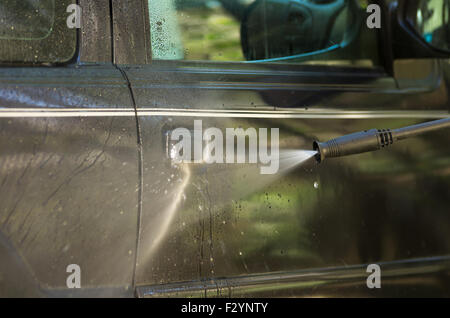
<point>419,29</point>
<point>278,29</point>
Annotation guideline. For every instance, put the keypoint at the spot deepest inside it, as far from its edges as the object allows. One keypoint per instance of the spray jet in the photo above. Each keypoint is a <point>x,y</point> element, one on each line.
<point>373,139</point>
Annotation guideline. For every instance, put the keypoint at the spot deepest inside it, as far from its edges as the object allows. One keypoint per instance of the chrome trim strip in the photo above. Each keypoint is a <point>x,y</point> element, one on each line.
<point>179,112</point>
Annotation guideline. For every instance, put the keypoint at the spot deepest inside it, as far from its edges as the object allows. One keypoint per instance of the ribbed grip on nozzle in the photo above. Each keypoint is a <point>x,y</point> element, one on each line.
<point>385,137</point>
<point>332,148</point>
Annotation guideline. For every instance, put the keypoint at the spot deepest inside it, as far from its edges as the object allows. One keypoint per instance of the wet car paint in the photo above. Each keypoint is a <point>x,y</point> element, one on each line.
<point>69,179</point>
<point>200,222</point>
<point>85,179</point>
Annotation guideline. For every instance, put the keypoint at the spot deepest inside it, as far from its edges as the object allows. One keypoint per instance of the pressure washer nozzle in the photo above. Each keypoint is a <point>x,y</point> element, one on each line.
<point>373,139</point>
<point>364,141</point>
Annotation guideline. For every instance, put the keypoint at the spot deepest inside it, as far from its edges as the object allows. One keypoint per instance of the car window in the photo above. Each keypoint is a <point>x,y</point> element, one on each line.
<point>288,31</point>
<point>36,31</point>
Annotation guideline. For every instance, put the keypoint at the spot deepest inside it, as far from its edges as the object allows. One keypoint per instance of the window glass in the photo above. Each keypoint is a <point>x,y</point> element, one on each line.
<point>299,31</point>
<point>36,31</point>
<point>26,19</point>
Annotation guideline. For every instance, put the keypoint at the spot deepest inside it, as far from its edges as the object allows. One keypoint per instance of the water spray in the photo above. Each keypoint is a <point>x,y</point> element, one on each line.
<point>373,139</point>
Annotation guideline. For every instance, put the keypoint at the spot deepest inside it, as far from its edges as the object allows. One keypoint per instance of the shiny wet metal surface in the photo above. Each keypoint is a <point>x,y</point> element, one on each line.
<point>84,181</point>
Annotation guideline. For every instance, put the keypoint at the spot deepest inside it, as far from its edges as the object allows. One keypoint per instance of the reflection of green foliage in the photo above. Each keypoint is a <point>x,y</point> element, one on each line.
<point>210,34</point>
<point>363,3</point>
<point>272,222</point>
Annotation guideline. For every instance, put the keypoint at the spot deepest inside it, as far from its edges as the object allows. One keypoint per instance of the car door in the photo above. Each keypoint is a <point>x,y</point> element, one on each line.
<point>89,182</point>
<point>226,229</point>
<point>68,155</point>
